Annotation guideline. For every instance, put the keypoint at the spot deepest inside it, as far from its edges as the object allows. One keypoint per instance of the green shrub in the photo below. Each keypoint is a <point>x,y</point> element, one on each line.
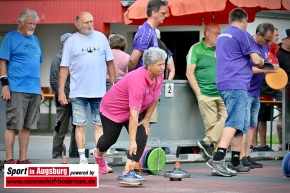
<point>275,139</point>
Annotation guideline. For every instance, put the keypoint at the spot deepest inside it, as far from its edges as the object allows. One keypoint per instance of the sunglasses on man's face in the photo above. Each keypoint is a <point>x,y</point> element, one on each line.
<point>266,40</point>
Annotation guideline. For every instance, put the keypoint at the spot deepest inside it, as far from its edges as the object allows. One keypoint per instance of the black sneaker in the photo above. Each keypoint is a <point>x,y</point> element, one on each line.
<point>254,163</point>
<point>254,149</point>
<point>240,169</point>
<point>266,148</point>
<point>205,147</point>
<point>246,163</point>
<point>219,167</point>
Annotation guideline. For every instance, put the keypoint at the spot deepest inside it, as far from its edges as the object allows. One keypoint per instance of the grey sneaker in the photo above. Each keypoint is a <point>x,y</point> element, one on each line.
<point>246,163</point>
<point>254,163</point>
<point>84,161</point>
<point>219,167</point>
<point>205,147</point>
<point>240,169</point>
<point>214,172</point>
<point>112,151</point>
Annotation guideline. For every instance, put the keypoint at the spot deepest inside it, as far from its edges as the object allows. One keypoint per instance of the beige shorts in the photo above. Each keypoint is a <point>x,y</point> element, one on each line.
<point>154,116</point>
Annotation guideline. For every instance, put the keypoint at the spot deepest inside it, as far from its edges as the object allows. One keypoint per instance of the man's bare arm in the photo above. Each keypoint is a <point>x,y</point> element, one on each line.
<point>134,58</point>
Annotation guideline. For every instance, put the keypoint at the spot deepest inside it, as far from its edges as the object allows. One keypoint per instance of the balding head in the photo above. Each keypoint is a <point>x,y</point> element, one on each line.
<point>85,23</point>
<point>212,27</point>
<point>211,32</point>
<point>82,14</point>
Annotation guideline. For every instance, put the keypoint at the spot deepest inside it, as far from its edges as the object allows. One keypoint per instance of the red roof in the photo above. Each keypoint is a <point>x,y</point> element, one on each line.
<point>64,11</point>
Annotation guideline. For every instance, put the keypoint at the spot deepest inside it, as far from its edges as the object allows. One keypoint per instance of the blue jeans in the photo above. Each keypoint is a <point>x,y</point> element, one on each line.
<point>253,110</point>
<point>236,105</point>
<point>79,109</point>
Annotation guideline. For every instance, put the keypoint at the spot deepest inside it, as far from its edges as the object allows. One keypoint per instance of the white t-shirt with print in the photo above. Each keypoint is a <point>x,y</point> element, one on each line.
<point>86,56</point>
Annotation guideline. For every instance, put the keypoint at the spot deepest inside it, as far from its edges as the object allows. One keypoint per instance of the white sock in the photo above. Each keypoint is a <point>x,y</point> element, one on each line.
<point>82,153</point>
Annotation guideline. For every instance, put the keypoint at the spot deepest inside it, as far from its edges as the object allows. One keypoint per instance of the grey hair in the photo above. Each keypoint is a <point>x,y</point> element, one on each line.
<point>78,19</point>
<point>263,28</point>
<point>27,12</point>
<point>153,55</point>
<point>154,5</point>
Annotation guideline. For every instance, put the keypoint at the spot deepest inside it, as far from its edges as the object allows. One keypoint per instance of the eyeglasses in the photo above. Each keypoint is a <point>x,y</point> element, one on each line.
<point>266,40</point>
<point>215,33</point>
<point>162,12</point>
<point>29,24</point>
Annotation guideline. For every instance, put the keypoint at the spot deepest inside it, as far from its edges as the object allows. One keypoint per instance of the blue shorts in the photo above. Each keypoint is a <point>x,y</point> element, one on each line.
<point>236,105</point>
<point>79,110</point>
<point>253,110</point>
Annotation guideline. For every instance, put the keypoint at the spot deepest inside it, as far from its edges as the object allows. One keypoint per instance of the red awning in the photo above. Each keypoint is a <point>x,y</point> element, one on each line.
<point>198,12</point>
<point>64,11</point>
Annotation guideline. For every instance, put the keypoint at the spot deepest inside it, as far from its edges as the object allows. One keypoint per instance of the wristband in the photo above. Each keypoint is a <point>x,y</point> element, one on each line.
<point>3,76</point>
<point>4,81</point>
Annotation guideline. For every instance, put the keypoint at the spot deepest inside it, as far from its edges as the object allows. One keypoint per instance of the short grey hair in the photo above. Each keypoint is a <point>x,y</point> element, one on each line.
<point>263,28</point>
<point>154,5</point>
<point>153,55</point>
<point>27,12</point>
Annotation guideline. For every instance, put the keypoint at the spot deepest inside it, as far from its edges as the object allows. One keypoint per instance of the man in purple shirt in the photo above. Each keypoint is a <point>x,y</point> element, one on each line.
<point>264,33</point>
<point>234,52</point>
<point>146,36</point>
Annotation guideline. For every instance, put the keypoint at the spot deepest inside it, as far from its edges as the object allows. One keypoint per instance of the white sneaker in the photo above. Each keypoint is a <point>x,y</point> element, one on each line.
<point>91,151</point>
<point>112,151</point>
<point>215,173</point>
<point>84,161</point>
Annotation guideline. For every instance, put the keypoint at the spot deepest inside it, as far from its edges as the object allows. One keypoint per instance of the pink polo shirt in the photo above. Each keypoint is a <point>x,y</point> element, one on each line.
<point>121,62</point>
<point>134,91</point>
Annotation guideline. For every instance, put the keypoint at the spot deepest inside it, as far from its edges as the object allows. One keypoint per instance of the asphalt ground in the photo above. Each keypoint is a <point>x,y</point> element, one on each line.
<point>268,179</point>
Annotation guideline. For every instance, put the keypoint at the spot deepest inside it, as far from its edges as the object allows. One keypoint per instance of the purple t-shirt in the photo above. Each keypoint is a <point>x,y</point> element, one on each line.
<point>129,94</point>
<point>144,39</point>
<point>234,69</point>
<point>257,79</point>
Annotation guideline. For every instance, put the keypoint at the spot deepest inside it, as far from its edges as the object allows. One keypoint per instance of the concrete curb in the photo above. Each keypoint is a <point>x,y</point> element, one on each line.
<point>120,159</point>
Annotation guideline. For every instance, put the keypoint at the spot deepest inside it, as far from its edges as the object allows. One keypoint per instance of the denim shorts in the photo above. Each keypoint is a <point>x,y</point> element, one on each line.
<point>79,109</point>
<point>236,105</point>
<point>253,110</point>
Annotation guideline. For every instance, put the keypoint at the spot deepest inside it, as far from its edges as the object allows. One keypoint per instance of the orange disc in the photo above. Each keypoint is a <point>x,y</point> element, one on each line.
<point>277,80</point>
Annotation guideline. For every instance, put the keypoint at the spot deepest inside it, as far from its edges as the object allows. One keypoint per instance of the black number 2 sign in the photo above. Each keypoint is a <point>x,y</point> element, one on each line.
<point>169,90</point>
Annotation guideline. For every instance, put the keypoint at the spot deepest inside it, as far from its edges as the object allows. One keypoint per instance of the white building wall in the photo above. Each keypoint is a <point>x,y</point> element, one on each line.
<point>50,43</point>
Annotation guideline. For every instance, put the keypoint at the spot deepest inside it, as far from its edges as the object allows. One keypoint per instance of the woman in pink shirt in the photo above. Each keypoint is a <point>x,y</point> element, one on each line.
<point>130,103</point>
<point>121,59</point>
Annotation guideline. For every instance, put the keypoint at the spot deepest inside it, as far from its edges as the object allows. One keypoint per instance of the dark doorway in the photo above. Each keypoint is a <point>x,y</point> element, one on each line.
<point>179,43</point>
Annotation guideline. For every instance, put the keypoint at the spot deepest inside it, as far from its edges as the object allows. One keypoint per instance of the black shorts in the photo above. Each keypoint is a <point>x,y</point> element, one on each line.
<point>265,113</point>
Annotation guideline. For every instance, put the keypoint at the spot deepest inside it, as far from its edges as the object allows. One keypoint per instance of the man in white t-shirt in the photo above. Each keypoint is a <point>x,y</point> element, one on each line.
<point>86,56</point>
